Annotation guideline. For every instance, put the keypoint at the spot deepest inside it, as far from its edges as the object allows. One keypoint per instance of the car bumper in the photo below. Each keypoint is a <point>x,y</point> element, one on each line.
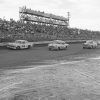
<point>52,48</point>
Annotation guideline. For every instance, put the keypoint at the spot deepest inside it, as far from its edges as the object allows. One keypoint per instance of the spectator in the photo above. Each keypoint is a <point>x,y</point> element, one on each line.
<point>39,31</point>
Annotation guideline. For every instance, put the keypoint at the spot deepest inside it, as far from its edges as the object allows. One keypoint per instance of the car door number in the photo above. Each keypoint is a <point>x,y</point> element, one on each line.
<point>23,45</point>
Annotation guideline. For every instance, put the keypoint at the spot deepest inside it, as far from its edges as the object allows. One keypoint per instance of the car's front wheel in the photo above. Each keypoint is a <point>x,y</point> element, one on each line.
<point>18,47</point>
<point>58,48</point>
<point>50,49</point>
<point>83,47</point>
<point>29,46</point>
<point>66,47</point>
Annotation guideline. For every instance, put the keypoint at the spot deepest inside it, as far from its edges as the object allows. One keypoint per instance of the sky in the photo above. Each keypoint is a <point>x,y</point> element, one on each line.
<point>84,14</point>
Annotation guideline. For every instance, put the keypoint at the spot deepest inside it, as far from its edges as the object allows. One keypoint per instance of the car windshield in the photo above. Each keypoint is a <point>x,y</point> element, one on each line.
<point>58,42</point>
<point>18,41</point>
<point>89,42</point>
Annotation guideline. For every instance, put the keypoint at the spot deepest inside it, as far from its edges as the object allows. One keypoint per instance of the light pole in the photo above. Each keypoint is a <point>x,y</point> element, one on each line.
<point>68,14</point>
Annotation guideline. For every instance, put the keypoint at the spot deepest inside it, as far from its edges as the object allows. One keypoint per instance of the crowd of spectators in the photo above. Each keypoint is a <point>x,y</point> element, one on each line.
<point>32,31</point>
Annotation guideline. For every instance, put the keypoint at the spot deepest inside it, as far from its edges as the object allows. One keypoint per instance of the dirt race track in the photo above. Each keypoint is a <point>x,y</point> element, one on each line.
<point>40,55</point>
<point>39,74</point>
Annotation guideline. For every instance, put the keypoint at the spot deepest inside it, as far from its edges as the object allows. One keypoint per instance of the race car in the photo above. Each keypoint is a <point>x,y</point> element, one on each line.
<point>90,44</point>
<point>19,44</point>
<point>58,45</point>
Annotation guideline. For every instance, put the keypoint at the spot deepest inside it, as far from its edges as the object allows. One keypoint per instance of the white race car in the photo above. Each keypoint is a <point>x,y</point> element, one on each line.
<point>58,45</point>
<point>19,44</point>
<point>90,44</point>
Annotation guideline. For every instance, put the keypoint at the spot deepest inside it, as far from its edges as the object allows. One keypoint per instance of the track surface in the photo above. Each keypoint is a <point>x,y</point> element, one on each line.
<point>76,77</point>
<point>10,59</point>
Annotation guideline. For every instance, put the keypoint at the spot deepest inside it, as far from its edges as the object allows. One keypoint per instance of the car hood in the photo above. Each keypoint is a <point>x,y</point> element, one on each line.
<point>67,44</point>
<point>87,43</point>
<point>51,44</point>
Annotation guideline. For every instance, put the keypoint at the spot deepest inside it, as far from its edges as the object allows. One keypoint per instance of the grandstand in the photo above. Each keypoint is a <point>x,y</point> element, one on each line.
<point>41,17</point>
<point>41,26</point>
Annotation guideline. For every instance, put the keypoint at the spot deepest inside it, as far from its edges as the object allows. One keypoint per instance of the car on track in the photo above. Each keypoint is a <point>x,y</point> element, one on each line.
<point>58,45</point>
<point>90,44</point>
<point>20,44</point>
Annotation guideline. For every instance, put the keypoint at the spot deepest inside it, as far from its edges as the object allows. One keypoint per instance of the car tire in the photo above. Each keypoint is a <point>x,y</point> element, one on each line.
<point>18,47</point>
<point>29,46</point>
<point>50,49</point>
<point>95,47</point>
<point>58,48</point>
<point>91,47</point>
<point>83,47</point>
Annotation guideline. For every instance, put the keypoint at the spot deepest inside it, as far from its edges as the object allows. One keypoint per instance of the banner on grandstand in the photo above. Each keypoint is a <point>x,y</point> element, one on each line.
<point>41,17</point>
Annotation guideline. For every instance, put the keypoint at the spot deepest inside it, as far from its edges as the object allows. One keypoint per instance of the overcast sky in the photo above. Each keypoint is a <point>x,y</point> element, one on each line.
<point>84,14</point>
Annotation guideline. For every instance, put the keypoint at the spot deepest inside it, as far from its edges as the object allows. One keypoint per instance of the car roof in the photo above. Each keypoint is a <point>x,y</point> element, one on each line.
<point>21,40</point>
<point>59,41</point>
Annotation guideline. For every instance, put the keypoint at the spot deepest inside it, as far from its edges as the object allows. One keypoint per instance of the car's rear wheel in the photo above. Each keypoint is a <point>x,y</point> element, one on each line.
<point>92,47</point>
<point>95,47</point>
